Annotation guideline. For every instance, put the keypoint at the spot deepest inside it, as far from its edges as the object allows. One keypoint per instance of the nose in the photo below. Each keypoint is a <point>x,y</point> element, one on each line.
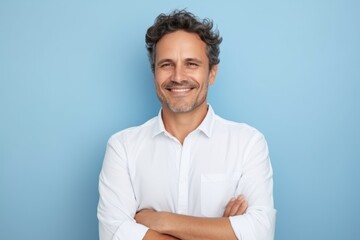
<point>178,74</point>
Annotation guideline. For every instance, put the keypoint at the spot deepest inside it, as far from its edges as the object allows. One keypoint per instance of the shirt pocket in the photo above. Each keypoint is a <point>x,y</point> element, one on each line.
<point>216,192</point>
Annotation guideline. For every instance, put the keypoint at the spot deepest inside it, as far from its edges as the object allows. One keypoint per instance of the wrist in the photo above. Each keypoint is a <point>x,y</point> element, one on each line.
<point>163,222</point>
<point>171,223</point>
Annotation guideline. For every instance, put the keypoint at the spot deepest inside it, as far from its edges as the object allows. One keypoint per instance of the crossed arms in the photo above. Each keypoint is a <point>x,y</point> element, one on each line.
<point>167,226</point>
<point>118,205</point>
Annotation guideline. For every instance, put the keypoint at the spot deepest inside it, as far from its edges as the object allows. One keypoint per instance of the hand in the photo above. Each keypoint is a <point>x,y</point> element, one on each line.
<point>236,206</point>
<point>149,218</point>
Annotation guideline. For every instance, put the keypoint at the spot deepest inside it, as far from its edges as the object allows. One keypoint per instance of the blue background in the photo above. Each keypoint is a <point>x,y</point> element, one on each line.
<point>74,72</point>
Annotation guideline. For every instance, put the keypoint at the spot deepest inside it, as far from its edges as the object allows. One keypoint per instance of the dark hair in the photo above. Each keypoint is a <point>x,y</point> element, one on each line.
<point>183,20</point>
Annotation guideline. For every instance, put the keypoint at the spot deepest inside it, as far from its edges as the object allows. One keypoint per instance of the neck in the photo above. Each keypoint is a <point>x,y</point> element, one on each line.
<point>181,124</point>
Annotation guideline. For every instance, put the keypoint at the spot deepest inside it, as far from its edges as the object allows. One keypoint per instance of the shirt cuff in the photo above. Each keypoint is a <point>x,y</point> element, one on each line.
<point>255,225</point>
<point>241,227</point>
<point>131,231</point>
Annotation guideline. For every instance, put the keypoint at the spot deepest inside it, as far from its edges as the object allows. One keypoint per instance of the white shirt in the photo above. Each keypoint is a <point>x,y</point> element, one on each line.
<point>146,167</point>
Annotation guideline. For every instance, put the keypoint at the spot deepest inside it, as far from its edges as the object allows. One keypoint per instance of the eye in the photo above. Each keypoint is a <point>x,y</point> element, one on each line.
<point>166,65</point>
<point>192,64</point>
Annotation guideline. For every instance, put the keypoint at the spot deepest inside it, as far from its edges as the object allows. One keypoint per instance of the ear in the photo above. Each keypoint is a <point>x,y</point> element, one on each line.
<point>212,74</point>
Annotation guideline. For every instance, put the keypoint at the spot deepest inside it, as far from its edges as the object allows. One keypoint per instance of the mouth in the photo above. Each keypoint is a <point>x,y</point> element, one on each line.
<point>179,90</point>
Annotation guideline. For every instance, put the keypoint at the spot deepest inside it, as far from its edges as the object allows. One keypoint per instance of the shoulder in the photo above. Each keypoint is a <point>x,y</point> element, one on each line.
<point>244,137</point>
<point>237,128</point>
<point>134,133</point>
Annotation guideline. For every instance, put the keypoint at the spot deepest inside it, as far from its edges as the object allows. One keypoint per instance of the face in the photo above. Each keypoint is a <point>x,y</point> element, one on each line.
<point>182,74</point>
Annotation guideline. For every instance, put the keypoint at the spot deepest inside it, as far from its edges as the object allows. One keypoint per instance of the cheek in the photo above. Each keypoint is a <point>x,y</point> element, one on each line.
<point>160,77</point>
<point>158,86</point>
<point>157,82</point>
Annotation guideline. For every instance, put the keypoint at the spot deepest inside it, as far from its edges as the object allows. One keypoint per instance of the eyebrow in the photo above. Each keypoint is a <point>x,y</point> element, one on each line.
<point>193,60</point>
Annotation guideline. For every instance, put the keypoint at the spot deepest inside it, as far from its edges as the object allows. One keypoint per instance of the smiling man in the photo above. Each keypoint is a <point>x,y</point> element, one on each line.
<point>187,173</point>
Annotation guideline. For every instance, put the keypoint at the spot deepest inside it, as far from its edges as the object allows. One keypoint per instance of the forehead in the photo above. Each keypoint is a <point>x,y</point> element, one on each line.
<point>181,44</point>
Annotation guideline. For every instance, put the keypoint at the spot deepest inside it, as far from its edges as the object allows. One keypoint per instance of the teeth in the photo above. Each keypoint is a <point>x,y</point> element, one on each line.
<point>180,90</point>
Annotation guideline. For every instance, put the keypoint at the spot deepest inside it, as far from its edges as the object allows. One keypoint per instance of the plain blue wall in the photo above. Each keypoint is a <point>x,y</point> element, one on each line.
<point>74,72</point>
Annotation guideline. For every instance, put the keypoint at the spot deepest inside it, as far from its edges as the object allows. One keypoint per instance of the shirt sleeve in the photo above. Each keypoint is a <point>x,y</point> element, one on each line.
<point>256,184</point>
<point>117,203</point>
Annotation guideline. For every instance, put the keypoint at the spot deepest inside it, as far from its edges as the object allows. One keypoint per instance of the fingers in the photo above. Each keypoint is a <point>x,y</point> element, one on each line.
<point>242,208</point>
<point>142,214</point>
<point>236,206</point>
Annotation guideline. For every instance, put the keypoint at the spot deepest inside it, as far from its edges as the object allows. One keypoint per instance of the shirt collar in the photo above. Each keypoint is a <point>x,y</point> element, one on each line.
<point>205,126</point>
<point>159,126</point>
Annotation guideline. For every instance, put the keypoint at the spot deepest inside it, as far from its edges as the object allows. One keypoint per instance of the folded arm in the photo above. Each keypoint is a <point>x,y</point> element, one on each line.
<point>189,227</point>
<point>256,183</point>
<point>154,235</point>
<point>117,205</point>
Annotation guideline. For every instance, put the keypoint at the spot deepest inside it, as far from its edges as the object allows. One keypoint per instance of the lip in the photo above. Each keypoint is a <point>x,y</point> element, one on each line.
<point>180,90</point>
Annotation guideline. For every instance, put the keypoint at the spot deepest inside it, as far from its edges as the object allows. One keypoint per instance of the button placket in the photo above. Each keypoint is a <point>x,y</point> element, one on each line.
<point>184,178</point>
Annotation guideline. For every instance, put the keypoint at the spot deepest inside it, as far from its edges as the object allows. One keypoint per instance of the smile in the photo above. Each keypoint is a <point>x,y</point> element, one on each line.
<point>180,89</point>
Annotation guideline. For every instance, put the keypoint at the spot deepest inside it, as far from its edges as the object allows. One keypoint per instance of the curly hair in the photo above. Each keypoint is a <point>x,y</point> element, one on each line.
<point>183,20</point>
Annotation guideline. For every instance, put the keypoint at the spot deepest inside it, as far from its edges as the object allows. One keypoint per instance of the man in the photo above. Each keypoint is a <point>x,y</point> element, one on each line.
<point>186,173</point>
